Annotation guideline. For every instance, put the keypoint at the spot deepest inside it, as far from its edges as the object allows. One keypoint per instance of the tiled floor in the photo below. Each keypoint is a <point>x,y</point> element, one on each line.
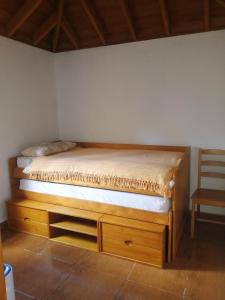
<point>49,271</point>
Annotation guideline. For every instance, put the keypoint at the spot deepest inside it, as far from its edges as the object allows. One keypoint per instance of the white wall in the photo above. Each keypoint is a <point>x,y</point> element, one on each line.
<point>165,91</point>
<point>27,104</point>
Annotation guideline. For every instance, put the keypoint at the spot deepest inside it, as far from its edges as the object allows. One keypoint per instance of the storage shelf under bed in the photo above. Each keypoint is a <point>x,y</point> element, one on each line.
<point>77,240</point>
<point>83,226</point>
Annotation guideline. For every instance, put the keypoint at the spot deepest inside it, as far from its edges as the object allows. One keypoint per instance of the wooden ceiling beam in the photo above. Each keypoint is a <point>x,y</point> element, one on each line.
<point>70,33</point>
<point>206,15</point>
<point>128,17</point>
<point>58,25</point>
<point>21,16</point>
<point>165,16</point>
<point>45,28</point>
<point>221,2</point>
<point>90,12</point>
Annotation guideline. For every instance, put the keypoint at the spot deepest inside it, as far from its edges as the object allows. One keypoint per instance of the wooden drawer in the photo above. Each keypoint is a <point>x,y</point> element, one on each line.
<point>140,245</point>
<point>29,226</point>
<point>25,213</point>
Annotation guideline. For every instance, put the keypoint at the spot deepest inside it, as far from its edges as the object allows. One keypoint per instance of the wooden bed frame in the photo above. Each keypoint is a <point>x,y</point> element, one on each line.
<point>41,214</point>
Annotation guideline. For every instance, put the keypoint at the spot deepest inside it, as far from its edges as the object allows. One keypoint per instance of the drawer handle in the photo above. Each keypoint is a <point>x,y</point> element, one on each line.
<point>26,219</point>
<point>128,242</point>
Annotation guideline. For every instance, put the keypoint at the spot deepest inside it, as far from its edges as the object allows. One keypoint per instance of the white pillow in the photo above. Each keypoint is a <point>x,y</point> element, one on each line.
<point>48,148</point>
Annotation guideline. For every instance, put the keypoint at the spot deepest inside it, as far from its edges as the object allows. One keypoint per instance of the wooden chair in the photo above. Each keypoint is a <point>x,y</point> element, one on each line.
<point>208,197</point>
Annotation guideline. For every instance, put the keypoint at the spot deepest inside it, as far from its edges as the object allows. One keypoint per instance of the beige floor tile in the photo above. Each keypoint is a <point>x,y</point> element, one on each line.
<point>87,284</point>
<point>22,296</point>
<point>63,253</point>
<point>212,233</point>
<point>33,274</point>
<point>133,291</point>
<point>25,241</point>
<point>107,264</point>
<point>206,283</point>
<point>173,280</point>
<point>209,253</point>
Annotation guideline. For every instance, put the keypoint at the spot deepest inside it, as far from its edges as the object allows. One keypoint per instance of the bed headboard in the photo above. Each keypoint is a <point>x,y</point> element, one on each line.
<point>133,146</point>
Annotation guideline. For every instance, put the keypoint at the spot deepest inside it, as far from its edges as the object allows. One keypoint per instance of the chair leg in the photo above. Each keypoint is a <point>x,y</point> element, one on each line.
<point>193,220</point>
<point>198,210</point>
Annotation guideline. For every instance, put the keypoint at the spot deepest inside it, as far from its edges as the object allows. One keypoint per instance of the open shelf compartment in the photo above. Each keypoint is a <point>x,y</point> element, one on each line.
<point>73,231</point>
<point>77,225</point>
<point>74,239</point>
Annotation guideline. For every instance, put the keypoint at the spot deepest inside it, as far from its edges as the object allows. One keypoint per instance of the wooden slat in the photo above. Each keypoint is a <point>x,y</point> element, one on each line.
<point>58,25</point>
<point>212,174</point>
<point>199,167</point>
<point>214,163</point>
<point>210,202</point>
<point>206,15</point>
<point>180,201</point>
<point>132,223</point>
<point>81,227</point>
<point>128,18</point>
<point>213,151</point>
<point>58,209</point>
<point>77,241</point>
<point>165,16</point>
<point>22,15</point>
<point>71,35</point>
<point>221,2</point>
<point>18,173</point>
<point>90,12</point>
<point>45,28</point>
<point>210,221</point>
<point>207,194</point>
<point>214,217</point>
<point>132,146</point>
<point>101,208</point>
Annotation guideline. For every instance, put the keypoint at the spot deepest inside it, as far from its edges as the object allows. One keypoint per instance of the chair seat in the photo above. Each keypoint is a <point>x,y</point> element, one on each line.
<point>209,197</point>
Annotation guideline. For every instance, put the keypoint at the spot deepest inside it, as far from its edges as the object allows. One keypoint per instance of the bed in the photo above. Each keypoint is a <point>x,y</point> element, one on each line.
<point>133,219</point>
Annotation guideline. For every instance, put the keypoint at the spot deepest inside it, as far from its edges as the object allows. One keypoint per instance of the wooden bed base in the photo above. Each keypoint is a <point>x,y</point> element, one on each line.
<point>139,235</point>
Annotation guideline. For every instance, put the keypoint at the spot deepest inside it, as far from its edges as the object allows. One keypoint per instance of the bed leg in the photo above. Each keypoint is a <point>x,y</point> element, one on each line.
<point>13,181</point>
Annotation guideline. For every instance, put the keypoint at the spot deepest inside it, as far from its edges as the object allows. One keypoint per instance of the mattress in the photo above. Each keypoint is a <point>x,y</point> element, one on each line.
<point>23,162</point>
<point>124,199</point>
<point>139,171</point>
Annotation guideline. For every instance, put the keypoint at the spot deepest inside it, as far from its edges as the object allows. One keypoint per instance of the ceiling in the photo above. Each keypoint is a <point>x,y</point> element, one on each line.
<point>62,25</point>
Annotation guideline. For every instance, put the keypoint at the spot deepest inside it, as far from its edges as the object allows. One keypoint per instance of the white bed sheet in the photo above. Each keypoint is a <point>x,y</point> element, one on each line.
<point>138,201</point>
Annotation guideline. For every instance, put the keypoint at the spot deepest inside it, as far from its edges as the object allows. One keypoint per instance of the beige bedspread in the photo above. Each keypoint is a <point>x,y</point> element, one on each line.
<point>140,171</point>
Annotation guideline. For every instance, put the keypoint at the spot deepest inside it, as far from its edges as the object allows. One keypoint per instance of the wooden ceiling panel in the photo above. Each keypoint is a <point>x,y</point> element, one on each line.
<point>7,9</point>
<point>93,23</point>
<point>78,20</point>
<point>187,16</point>
<point>111,16</point>
<point>11,6</point>
<point>147,18</point>
<point>218,15</point>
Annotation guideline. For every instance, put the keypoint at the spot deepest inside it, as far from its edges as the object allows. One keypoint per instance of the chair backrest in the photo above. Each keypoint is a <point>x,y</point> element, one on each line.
<point>214,162</point>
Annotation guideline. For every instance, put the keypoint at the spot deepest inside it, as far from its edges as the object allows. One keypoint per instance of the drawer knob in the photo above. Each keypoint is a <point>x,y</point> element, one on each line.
<point>128,242</point>
<point>25,219</point>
